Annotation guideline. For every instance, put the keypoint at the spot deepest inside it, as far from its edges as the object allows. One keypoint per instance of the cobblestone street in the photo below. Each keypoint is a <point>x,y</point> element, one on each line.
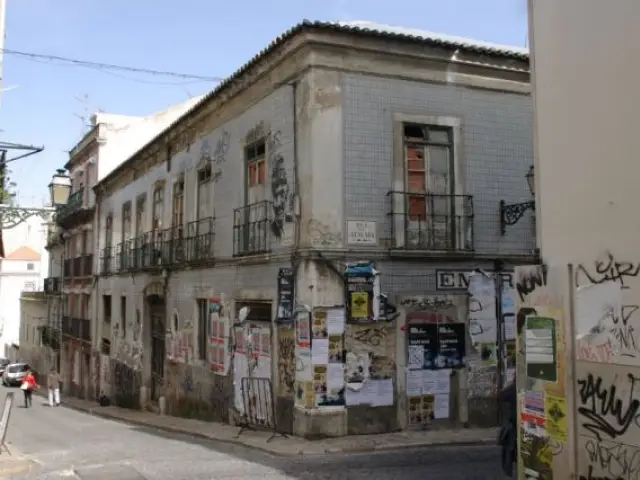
<point>67,443</point>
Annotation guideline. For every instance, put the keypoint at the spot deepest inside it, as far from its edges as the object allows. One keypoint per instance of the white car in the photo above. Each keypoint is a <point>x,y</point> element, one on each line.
<point>14,374</point>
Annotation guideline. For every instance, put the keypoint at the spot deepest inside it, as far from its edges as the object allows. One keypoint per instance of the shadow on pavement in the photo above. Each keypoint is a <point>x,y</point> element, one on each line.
<point>480,462</point>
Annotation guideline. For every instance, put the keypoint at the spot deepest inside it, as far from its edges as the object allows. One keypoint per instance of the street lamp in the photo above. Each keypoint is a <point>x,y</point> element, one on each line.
<point>511,214</point>
<point>60,188</point>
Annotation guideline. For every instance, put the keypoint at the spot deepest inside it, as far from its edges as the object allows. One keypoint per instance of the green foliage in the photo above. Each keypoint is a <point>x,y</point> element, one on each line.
<point>8,190</point>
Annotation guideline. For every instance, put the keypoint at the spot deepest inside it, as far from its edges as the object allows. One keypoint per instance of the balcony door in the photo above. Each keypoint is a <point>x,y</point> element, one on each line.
<point>430,181</point>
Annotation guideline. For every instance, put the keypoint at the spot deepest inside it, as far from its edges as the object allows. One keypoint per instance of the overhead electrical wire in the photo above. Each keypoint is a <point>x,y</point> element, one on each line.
<point>39,57</point>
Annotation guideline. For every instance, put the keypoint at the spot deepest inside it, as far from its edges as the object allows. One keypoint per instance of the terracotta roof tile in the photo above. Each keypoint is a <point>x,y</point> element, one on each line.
<point>24,253</point>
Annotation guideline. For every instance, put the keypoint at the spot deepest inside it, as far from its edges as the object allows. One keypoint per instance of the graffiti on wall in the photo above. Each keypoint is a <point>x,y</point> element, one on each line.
<point>607,381</point>
<point>216,156</point>
<point>370,363</point>
<point>195,391</point>
<point>181,343</point>
<point>282,190</point>
<point>286,361</point>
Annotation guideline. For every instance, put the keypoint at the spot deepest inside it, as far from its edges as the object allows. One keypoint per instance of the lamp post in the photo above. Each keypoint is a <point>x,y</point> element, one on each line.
<point>512,213</point>
<point>59,189</point>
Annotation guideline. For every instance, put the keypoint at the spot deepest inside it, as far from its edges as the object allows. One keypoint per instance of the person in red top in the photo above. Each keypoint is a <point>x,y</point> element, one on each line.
<point>29,384</point>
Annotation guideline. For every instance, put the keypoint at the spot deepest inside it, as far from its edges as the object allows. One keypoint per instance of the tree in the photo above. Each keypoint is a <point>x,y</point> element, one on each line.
<point>7,187</point>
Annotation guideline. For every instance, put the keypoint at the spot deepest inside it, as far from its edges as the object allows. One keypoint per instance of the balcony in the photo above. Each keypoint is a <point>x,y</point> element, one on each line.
<point>430,222</point>
<point>77,267</point>
<point>107,263</point>
<point>147,251</point>
<point>172,248</point>
<point>124,257</point>
<point>77,328</point>
<point>75,212</point>
<point>251,229</point>
<point>68,268</point>
<point>198,243</point>
<point>87,265</point>
<point>52,285</point>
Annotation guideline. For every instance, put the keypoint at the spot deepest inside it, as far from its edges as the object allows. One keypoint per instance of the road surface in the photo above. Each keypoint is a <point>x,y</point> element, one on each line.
<point>71,444</point>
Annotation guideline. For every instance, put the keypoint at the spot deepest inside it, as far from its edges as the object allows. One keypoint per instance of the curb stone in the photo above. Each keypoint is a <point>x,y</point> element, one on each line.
<point>327,450</point>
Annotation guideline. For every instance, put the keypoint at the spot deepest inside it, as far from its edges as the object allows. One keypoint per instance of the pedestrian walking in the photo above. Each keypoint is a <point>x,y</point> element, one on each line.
<point>53,385</point>
<point>29,384</point>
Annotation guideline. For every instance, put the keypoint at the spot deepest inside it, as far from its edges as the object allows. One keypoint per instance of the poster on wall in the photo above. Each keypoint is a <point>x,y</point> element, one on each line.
<point>362,284</point>
<point>327,346</point>
<point>483,326</point>
<point>286,295</point>
<point>436,346</point>
<point>429,393</point>
<point>304,394</point>
<point>540,348</point>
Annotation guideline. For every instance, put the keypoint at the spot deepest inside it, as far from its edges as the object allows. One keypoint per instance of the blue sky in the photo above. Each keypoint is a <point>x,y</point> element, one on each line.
<point>202,37</point>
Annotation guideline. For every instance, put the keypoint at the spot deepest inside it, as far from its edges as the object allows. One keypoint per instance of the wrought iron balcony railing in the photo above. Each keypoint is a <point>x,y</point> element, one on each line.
<point>77,267</point>
<point>78,328</point>
<point>252,229</point>
<point>68,268</point>
<point>424,221</point>
<point>87,265</point>
<point>73,206</point>
<point>199,241</point>
<point>107,263</point>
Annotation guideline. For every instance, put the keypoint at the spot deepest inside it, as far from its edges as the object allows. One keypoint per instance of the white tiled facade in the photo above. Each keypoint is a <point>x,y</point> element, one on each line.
<point>331,147</point>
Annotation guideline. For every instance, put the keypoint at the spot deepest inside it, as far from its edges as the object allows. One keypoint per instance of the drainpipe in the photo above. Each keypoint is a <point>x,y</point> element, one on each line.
<point>497,278</point>
<point>296,175</point>
<point>96,321</point>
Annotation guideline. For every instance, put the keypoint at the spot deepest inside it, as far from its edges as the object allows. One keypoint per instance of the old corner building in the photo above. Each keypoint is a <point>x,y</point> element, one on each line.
<point>341,185</point>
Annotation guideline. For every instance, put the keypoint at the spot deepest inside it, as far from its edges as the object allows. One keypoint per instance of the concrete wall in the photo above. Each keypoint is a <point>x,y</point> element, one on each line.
<point>33,315</point>
<point>586,174</point>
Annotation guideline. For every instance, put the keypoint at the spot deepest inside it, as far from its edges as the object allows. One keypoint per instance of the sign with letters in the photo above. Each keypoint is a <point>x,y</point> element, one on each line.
<point>459,279</point>
<point>361,233</point>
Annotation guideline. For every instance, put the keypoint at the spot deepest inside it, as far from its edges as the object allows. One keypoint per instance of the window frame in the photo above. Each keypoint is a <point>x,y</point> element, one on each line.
<point>202,308</point>
<point>126,221</point>
<point>400,168</point>
<point>204,180</point>
<point>123,316</point>
<point>108,231</point>
<point>177,203</point>
<point>141,201</point>
<point>157,206</point>
<point>255,152</point>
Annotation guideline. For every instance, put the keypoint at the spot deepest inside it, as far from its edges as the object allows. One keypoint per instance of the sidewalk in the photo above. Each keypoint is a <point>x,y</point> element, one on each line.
<point>287,446</point>
<point>15,465</point>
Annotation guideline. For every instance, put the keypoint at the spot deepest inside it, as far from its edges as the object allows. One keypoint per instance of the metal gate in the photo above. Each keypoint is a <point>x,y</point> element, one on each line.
<point>158,346</point>
<point>259,407</point>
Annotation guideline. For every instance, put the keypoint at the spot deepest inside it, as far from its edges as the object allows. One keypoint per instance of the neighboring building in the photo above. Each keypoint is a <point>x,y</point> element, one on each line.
<point>33,322</point>
<point>336,144</point>
<point>588,292</point>
<point>19,271</point>
<point>112,139</point>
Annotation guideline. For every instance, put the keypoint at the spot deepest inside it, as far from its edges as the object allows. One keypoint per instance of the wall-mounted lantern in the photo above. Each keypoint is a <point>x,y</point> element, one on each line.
<point>511,214</point>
